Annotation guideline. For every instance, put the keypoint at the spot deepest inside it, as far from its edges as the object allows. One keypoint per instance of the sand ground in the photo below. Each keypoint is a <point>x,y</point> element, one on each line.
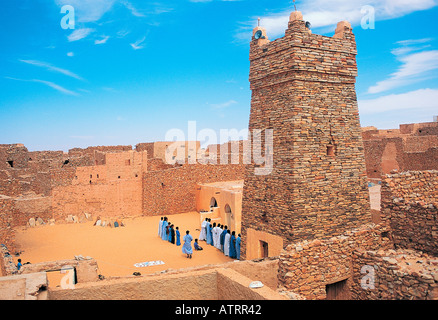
<point>116,249</point>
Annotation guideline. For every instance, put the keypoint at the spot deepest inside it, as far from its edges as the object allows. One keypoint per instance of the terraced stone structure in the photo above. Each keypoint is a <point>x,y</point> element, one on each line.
<point>303,88</point>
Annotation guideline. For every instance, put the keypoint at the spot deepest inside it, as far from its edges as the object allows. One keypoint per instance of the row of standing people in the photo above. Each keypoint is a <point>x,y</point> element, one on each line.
<point>221,238</point>
<point>168,232</point>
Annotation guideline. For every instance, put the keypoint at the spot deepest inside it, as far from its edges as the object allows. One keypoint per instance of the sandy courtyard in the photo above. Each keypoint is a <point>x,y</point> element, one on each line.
<point>116,249</point>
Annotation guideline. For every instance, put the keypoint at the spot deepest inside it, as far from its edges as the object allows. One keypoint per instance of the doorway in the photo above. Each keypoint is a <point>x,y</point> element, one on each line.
<point>337,291</point>
<point>228,215</point>
<point>213,203</point>
<point>264,249</point>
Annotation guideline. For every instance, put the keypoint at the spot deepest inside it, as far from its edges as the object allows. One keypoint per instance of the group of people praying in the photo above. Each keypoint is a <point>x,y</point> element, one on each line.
<point>220,237</point>
<point>168,232</point>
<point>216,235</point>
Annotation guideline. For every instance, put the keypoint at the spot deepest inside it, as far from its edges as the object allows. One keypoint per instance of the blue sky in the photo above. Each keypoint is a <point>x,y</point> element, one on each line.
<point>131,70</point>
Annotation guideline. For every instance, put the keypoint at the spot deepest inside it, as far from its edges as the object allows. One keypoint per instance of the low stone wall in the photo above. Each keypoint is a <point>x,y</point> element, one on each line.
<point>24,287</point>
<point>7,264</point>
<point>308,267</point>
<point>264,270</point>
<point>86,270</point>
<point>394,275</point>
<point>214,284</point>
<point>7,213</point>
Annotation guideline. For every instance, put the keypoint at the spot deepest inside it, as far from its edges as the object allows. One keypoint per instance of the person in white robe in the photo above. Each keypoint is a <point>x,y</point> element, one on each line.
<point>227,243</point>
<point>203,235</point>
<point>217,237</point>
<point>160,227</point>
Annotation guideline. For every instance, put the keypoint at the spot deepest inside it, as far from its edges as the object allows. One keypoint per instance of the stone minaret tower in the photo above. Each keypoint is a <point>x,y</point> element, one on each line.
<point>303,88</point>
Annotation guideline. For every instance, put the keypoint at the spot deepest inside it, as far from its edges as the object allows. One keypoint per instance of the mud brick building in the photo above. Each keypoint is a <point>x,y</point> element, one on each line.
<point>411,147</point>
<point>303,88</point>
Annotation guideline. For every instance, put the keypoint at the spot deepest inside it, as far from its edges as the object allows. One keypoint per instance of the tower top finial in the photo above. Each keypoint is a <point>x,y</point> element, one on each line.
<point>294,5</point>
<point>258,23</point>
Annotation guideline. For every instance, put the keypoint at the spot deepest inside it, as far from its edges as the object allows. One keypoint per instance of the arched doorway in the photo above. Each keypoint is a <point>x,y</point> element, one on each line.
<point>213,203</point>
<point>228,215</point>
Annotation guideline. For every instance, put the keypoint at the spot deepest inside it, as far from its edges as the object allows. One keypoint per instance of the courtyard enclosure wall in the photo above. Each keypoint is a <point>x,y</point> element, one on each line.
<point>108,190</point>
<point>303,87</point>
<point>173,190</point>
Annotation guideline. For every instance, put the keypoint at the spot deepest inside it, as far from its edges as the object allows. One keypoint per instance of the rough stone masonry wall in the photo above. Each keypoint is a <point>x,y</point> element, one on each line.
<point>394,275</point>
<point>173,190</point>
<point>7,213</point>
<point>410,207</point>
<point>303,87</point>
<point>15,154</point>
<point>307,267</point>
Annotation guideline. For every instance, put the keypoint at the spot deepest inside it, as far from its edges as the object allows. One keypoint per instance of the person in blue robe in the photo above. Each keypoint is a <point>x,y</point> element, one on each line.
<point>172,234</point>
<point>209,234</point>
<point>197,246</point>
<point>178,236</point>
<point>233,245</point>
<point>223,237</point>
<point>238,240</point>
<point>187,246</point>
<point>168,231</point>
<point>163,232</point>
<point>169,236</point>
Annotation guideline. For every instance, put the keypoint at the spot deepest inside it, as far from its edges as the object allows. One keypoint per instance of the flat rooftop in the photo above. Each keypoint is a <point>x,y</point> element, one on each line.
<point>235,185</point>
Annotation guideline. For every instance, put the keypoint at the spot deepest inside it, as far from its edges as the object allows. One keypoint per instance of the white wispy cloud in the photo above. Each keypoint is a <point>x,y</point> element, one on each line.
<point>131,8</point>
<point>122,33</point>
<point>407,46</point>
<point>79,34</point>
<point>88,10</point>
<point>224,105</point>
<point>138,44</point>
<point>52,68</point>
<point>56,87</point>
<point>102,41</point>
<point>415,100</point>
<point>49,84</point>
<point>417,64</point>
<point>70,54</point>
